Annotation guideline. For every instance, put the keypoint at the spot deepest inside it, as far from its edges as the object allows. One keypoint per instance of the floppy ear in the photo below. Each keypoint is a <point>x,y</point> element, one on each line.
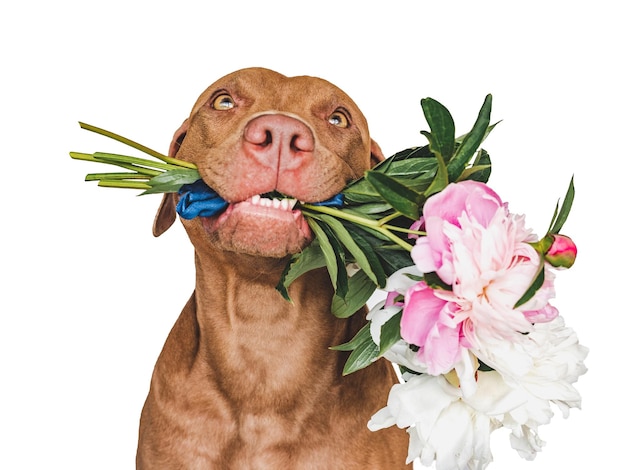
<point>166,214</point>
<point>376,154</point>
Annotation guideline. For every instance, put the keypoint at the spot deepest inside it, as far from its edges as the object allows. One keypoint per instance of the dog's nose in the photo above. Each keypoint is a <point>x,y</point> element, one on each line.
<point>276,140</point>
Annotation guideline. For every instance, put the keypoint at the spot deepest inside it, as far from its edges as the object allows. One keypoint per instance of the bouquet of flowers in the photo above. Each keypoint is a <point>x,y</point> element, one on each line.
<point>467,317</point>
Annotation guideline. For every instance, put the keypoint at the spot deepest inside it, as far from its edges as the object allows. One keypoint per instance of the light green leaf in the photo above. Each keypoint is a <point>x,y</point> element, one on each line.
<point>171,181</point>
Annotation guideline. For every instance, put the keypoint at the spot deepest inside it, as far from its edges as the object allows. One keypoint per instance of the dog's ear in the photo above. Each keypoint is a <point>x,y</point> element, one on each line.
<point>376,154</point>
<point>166,215</point>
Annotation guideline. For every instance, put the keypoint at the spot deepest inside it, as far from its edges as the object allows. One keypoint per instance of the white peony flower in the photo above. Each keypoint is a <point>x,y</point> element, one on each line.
<point>452,428</point>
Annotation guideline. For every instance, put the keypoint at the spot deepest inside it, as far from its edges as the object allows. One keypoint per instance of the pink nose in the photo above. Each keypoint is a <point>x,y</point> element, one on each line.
<point>278,141</point>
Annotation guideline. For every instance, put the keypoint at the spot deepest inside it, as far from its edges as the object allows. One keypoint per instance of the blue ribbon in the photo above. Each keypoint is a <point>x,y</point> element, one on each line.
<point>335,201</point>
<point>198,199</point>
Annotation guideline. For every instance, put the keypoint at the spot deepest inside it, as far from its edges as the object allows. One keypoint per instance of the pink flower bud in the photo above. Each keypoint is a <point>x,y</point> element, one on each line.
<point>562,251</point>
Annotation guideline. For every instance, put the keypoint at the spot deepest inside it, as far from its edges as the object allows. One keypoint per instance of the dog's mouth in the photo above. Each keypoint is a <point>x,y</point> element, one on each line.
<point>267,224</point>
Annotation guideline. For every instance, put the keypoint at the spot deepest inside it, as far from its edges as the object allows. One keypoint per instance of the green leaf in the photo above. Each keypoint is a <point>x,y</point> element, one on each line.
<point>308,259</point>
<point>433,280</point>
<point>471,142</point>
<point>559,220</point>
<point>333,254</point>
<point>390,333</point>
<point>172,180</point>
<point>327,250</point>
<point>362,336</point>
<point>377,274</point>
<point>480,169</point>
<point>415,168</point>
<point>401,198</point>
<point>364,351</point>
<point>534,286</point>
<point>441,178</point>
<point>360,289</point>
<point>441,136</point>
<point>361,252</point>
<point>364,355</point>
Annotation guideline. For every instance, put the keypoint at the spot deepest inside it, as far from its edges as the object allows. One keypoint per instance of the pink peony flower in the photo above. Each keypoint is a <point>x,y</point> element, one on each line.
<point>483,253</point>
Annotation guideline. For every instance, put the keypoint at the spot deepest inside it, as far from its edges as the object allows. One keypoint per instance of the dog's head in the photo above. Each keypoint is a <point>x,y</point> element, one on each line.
<point>256,137</point>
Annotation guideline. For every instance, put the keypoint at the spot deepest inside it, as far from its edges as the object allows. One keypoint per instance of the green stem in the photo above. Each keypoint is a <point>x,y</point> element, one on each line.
<point>116,176</point>
<point>143,162</point>
<point>372,224</point>
<point>124,184</point>
<point>88,157</point>
<point>137,146</point>
<point>390,217</point>
<point>405,230</point>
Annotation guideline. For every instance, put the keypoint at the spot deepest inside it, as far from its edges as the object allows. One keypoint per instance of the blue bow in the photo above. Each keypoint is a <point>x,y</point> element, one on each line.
<point>197,199</point>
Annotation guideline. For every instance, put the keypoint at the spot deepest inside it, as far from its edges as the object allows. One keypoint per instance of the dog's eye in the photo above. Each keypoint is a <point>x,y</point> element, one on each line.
<point>339,119</point>
<point>223,102</point>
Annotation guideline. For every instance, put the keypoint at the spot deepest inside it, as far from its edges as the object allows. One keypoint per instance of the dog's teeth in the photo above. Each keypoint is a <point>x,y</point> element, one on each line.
<point>286,204</point>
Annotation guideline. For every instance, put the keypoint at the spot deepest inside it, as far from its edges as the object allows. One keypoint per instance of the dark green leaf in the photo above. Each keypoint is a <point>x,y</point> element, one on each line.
<point>360,289</point>
<point>364,355</point>
<point>327,250</point>
<point>534,286</point>
<point>471,142</point>
<point>401,198</point>
<point>441,135</point>
<point>369,210</point>
<point>333,254</point>
<point>368,250</point>
<point>308,259</point>
<point>364,335</point>
<point>364,351</point>
<point>390,333</point>
<point>361,253</point>
<point>440,180</point>
<point>560,219</point>
<point>410,153</point>
<point>434,281</point>
<point>480,169</point>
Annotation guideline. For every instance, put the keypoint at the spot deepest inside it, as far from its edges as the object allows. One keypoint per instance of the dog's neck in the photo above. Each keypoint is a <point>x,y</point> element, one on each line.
<point>251,337</point>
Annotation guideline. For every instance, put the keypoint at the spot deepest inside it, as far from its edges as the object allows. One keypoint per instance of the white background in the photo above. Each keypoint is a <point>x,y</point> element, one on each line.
<point>88,296</point>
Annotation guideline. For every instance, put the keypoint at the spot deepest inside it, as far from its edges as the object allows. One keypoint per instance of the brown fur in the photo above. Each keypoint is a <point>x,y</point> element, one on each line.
<point>246,379</point>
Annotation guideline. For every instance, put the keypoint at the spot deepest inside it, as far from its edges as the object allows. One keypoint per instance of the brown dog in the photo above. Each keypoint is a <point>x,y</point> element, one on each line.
<point>246,379</point>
